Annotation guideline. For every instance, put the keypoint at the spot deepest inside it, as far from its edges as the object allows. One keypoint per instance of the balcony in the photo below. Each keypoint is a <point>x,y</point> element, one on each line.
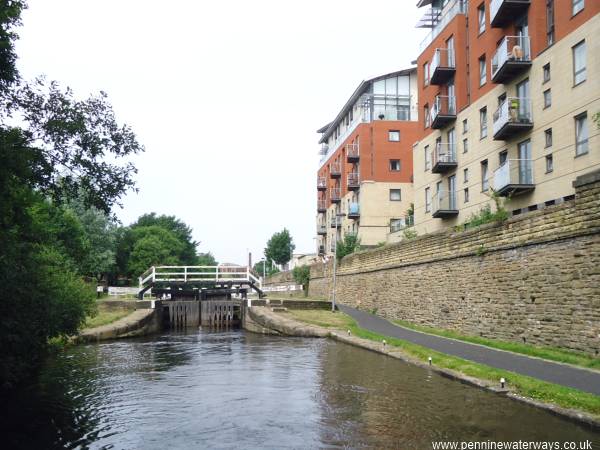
<point>502,12</point>
<point>442,66</point>
<point>335,195</point>
<point>332,246</point>
<point>352,153</point>
<point>321,184</point>
<point>402,224</point>
<point>437,19</point>
<point>336,222</point>
<point>443,111</point>
<point>444,157</point>
<point>512,118</point>
<point>353,181</point>
<point>444,205</point>
<point>323,150</point>
<point>335,170</point>
<point>353,211</point>
<point>321,250</point>
<point>514,177</point>
<point>322,205</point>
<point>512,58</point>
<point>321,230</point>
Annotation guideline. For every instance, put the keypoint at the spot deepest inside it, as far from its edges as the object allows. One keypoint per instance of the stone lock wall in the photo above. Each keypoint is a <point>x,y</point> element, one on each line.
<point>534,278</point>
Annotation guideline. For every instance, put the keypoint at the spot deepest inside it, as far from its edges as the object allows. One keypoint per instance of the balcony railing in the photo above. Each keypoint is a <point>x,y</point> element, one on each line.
<point>335,195</point>
<point>442,66</point>
<point>443,111</point>
<point>324,149</point>
<point>353,181</point>
<point>512,58</point>
<point>352,152</point>
<point>336,222</point>
<point>443,18</point>
<point>335,170</point>
<point>512,117</point>
<point>514,177</point>
<point>321,183</point>
<point>321,229</point>
<point>443,157</point>
<point>402,224</point>
<point>503,12</point>
<point>321,205</point>
<point>444,204</point>
<point>353,210</point>
<point>332,246</point>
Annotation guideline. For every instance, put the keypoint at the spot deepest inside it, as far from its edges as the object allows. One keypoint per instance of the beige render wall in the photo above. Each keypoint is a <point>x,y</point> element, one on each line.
<point>534,278</point>
<point>567,102</point>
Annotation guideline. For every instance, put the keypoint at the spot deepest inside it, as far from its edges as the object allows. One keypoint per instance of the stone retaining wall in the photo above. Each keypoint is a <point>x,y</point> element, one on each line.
<point>534,278</point>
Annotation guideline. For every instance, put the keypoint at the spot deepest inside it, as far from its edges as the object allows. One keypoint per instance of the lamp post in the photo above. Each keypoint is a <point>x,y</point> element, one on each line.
<point>338,216</point>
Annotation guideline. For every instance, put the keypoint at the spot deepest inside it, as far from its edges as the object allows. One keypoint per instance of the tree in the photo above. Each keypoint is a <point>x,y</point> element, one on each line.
<point>348,245</point>
<point>266,268</point>
<point>302,276</point>
<point>206,259</point>
<point>154,246</point>
<point>280,247</point>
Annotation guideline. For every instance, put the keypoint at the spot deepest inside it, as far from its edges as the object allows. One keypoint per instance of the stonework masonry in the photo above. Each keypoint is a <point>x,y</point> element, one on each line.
<point>534,278</point>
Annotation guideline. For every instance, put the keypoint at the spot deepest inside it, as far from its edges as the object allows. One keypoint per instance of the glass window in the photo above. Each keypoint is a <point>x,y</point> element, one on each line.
<point>484,176</point>
<point>466,175</point>
<point>579,63</point>
<point>426,74</point>
<point>466,195</point>
<point>395,195</point>
<point>427,158</point>
<point>394,165</point>
<point>465,126</point>
<point>547,98</point>
<point>502,156</point>
<point>578,5</point>
<point>581,134</point>
<point>427,199</point>
<point>548,137</point>
<point>547,73</point>
<point>549,22</point>
<point>549,164</point>
<point>483,122</point>
<point>427,116</point>
<point>465,145</point>
<point>481,18</point>
<point>394,135</point>
<point>482,71</point>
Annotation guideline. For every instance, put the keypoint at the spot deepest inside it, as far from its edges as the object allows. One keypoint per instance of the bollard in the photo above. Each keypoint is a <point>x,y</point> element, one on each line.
<point>429,359</point>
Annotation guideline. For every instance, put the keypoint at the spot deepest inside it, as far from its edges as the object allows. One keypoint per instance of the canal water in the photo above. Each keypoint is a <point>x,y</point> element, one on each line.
<point>240,390</point>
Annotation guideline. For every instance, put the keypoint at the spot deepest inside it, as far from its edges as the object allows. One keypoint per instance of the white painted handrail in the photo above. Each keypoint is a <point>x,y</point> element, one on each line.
<point>235,274</point>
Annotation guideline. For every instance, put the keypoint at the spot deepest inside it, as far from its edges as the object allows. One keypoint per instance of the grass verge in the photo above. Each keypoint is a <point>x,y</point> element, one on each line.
<point>106,316</point>
<point>550,353</point>
<point>525,386</point>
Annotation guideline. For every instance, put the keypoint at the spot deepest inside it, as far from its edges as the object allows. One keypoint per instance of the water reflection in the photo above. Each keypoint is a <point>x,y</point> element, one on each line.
<point>238,390</point>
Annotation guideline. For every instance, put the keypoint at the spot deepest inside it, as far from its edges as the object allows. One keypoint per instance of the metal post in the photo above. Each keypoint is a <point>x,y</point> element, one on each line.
<point>334,267</point>
<point>153,274</point>
<point>185,274</point>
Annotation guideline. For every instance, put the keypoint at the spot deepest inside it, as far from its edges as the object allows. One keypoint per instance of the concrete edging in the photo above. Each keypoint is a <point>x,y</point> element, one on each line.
<point>138,323</point>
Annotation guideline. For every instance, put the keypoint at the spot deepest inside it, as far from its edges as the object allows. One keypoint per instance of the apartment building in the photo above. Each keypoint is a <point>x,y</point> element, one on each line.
<point>507,94</point>
<point>364,180</point>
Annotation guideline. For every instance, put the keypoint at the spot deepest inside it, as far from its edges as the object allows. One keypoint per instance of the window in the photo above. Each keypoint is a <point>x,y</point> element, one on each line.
<point>546,73</point>
<point>484,176</point>
<point>581,134</point>
<point>465,145</point>
<point>394,136</point>
<point>481,18</point>
<point>483,122</point>
<point>465,126</point>
<point>547,98</point>
<point>578,5</point>
<point>395,165</point>
<point>395,195</point>
<point>465,175</point>
<point>426,116</point>
<point>466,195</point>
<point>548,137</point>
<point>502,156</point>
<point>549,164</point>
<point>549,22</point>
<point>427,199</point>
<point>427,158</point>
<point>579,72</point>
<point>482,71</point>
<point>426,74</point>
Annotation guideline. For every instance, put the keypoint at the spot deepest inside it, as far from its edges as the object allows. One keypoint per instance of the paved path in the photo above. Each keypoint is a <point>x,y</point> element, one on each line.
<point>582,379</point>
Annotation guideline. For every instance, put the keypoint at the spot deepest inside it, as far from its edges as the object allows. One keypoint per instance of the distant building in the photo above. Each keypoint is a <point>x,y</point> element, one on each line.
<point>302,259</point>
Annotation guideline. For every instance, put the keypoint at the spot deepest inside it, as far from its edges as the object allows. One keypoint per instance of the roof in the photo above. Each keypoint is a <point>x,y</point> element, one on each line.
<point>422,3</point>
<point>327,130</point>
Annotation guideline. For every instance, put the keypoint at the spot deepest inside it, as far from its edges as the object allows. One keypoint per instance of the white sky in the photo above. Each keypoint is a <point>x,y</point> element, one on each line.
<point>225,95</point>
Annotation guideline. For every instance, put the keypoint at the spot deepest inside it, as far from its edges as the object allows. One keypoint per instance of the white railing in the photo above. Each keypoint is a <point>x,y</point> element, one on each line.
<point>443,57</point>
<point>321,229</point>
<point>321,182</point>
<point>324,149</point>
<point>444,105</point>
<point>335,194</point>
<point>335,168</point>
<point>446,15</point>
<point>353,179</point>
<point>511,48</point>
<point>402,224</point>
<point>235,274</point>
<point>444,201</point>
<point>513,171</point>
<point>512,110</point>
<point>352,150</point>
<point>444,152</point>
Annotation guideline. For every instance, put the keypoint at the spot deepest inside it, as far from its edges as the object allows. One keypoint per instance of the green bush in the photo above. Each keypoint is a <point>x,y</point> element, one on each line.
<point>349,244</point>
<point>302,276</point>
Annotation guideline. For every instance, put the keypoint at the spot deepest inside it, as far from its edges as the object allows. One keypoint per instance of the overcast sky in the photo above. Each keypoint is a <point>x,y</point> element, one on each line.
<point>225,95</point>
